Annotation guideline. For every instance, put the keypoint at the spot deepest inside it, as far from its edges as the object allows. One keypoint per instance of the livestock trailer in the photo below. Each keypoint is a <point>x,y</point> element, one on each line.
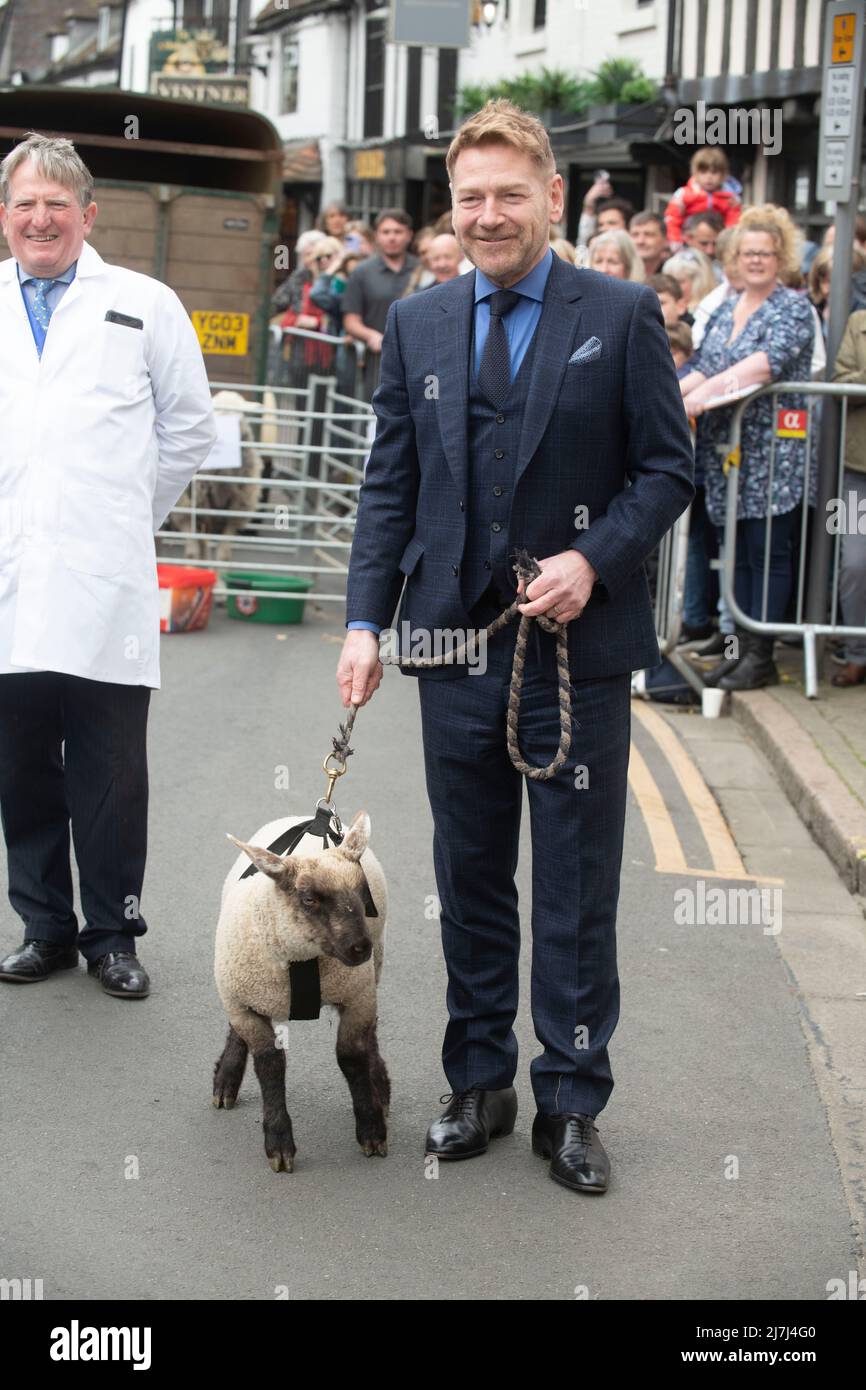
<point>187,193</point>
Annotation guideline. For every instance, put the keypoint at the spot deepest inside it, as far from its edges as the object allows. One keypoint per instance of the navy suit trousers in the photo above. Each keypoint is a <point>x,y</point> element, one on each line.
<point>73,751</point>
<point>476,798</point>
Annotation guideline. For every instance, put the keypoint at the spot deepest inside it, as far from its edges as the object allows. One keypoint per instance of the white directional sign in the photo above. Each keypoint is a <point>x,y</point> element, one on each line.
<point>839,96</point>
<point>841,99</point>
<point>834,163</point>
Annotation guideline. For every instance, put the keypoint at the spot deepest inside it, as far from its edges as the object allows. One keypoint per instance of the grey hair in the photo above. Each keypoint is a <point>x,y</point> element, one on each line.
<point>624,246</point>
<point>56,159</point>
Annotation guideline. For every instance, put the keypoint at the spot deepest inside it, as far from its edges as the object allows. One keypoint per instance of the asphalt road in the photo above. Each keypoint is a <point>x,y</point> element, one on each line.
<point>709,1061</point>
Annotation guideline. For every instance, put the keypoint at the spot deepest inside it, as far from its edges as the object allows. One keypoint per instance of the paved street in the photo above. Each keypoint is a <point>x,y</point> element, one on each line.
<point>713,1059</point>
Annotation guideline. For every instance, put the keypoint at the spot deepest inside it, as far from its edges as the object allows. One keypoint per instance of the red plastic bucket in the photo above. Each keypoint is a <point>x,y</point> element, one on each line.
<point>185,597</point>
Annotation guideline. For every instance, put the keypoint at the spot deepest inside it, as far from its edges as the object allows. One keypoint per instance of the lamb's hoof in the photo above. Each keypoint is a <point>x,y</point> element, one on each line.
<point>223,1100</point>
<point>280,1149</point>
<point>375,1146</point>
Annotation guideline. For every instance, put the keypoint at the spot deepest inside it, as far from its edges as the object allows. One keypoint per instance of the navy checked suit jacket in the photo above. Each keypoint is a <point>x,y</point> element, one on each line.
<point>608,434</point>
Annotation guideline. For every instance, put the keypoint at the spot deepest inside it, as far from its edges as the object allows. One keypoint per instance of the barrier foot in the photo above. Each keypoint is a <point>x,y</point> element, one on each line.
<point>810,657</point>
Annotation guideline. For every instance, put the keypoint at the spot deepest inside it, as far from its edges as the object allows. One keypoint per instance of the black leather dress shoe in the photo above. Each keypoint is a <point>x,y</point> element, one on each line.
<point>471,1119</point>
<point>577,1156</point>
<point>121,974</point>
<point>36,960</point>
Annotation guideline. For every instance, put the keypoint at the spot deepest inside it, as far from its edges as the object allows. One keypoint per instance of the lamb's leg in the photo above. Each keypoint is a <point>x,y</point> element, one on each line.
<point>229,1071</point>
<point>270,1067</point>
<point>361,1063</point>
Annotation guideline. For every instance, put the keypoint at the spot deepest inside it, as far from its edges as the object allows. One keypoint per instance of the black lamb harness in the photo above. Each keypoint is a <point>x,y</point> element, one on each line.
<point>304,978</point>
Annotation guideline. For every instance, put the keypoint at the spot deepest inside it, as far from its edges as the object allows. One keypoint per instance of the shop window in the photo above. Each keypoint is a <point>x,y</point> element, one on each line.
<point>374,70</point>
<point>289,95</point>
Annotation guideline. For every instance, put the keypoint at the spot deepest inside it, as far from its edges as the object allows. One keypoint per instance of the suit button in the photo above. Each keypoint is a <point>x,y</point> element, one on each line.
<point>496,526</point>
<point>497,492</point>
<point>499,453</point>
<point>487,565</point>
<point>461,506</point>
<point>455,570</point>
<point>500,419</point>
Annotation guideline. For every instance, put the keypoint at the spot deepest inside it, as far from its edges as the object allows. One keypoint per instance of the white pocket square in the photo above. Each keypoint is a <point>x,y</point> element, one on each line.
<point>587,352</point>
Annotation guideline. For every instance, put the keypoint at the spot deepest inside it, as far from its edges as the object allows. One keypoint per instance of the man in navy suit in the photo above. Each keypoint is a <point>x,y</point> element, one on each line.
<point>525,404</point>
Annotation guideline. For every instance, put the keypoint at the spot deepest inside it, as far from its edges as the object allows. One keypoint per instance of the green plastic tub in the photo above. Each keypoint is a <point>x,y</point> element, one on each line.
<point>255,606</point>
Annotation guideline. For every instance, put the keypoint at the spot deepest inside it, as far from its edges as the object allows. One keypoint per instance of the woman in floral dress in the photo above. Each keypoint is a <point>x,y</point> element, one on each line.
<point>764,334</point>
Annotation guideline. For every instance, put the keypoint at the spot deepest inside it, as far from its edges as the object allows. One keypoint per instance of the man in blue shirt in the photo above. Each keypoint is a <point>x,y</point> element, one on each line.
<point>516,403</point>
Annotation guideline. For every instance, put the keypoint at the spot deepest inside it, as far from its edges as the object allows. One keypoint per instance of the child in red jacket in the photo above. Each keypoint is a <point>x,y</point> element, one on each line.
<point>703,193</point>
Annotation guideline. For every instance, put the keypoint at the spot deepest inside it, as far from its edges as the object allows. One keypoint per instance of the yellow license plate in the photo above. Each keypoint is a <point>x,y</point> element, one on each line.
<point>222,332</point>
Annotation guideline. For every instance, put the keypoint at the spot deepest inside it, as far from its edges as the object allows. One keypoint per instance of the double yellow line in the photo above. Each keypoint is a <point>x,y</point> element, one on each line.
<point>668,851</point>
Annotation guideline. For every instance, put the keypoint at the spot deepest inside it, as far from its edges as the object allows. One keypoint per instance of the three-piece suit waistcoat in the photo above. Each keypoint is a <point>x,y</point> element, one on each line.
<point>493,437</point>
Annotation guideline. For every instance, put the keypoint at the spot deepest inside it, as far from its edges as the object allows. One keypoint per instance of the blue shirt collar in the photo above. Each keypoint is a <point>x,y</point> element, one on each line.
<point>67,277</point>
<point>532,285</point>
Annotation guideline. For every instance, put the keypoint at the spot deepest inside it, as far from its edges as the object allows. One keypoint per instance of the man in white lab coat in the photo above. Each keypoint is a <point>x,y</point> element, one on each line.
<point>105,415</point>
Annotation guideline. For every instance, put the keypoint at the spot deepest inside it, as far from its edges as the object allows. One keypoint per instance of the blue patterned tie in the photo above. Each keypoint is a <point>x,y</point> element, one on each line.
<point>41,309</point>
<point>494,373</point>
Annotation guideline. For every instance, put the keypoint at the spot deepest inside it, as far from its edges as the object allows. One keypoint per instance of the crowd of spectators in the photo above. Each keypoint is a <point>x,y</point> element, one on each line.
<point>745,302</point>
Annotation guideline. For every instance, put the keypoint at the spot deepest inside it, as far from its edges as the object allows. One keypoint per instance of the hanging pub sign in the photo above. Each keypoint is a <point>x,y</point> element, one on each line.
<point>429,23</point>
<point>194,65</point>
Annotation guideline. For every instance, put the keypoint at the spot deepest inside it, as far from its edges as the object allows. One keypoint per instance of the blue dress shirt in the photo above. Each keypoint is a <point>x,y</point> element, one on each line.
<point>520,324</point>
<point>52,298</point>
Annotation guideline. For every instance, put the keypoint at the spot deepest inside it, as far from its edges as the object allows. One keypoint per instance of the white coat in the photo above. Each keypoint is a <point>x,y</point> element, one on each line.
<point>98,440</point>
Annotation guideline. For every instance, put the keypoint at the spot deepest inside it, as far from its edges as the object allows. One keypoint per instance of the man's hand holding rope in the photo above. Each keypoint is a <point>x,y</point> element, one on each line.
<point>562,589</point>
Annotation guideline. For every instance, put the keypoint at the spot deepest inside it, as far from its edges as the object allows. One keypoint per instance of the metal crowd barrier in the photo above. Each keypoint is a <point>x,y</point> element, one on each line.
<point>290,508</point>
<point>298,353</point>
<point>671,558</point>
<point>732,452</point>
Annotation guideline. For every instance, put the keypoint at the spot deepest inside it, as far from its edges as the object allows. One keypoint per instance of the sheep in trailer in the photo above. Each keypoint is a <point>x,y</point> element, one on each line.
<point>309,905</point>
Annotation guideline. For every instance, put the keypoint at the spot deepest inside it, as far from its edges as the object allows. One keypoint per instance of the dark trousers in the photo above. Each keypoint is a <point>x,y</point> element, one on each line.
<point>73,751</point>
<point>702,590</point>
<point>751,556</point>
<point>577,835</point>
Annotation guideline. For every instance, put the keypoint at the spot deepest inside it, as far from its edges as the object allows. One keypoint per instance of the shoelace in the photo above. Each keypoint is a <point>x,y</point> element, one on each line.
<point>579,1130</point>
<point>466,1100</point>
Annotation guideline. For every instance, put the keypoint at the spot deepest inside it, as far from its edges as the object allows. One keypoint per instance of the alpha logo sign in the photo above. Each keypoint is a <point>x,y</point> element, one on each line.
<point>792,424</point>
<point>222,332</point>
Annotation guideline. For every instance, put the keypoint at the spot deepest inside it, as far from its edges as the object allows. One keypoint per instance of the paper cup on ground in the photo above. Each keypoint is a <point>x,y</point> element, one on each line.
<point>711,702</point>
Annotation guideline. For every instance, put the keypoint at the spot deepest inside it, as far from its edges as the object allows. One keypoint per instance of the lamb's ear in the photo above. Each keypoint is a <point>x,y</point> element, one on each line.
<point>357,837</point>
<point>271,864</point>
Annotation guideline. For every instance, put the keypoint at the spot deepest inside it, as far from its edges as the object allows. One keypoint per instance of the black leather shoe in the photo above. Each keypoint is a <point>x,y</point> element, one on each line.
<point>36,960</point>
<point>714,648</point>
<point>577,1156</point>
<point>471,1119</point>
<point>756,669</point>
<point>695,632</point>
<point>728,664</point>
<point>121,974</point>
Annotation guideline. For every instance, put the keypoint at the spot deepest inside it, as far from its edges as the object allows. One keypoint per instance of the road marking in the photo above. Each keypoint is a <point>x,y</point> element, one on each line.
<point>666,845</point>
<point>668,851</point>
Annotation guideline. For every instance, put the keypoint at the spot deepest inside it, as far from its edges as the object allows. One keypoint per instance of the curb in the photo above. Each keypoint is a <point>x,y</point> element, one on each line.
<point>826,807</point>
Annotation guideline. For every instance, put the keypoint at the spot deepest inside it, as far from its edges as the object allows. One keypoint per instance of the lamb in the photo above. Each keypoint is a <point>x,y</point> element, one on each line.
<point>229,495</point>
<point>306,906</point>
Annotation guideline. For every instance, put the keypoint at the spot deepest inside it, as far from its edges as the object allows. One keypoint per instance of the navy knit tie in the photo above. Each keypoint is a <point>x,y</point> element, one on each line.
<point>494,374</point>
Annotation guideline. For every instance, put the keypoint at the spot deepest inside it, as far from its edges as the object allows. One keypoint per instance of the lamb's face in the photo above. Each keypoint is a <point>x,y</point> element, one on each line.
<point>329,909</point>
<point>324,896</point>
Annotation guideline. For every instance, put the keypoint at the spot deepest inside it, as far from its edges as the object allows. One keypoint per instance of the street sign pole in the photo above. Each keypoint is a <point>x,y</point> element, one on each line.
<point>839,146</point>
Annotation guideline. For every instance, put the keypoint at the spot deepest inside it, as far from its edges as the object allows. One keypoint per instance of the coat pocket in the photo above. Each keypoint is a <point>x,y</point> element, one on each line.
<point>94,532</point>
<point>120,362</point>
<point>411,555</point>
